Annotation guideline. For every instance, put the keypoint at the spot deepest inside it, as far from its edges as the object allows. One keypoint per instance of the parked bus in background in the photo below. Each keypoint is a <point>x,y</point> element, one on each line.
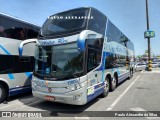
<point>79,55</point>
<point>15,72</point>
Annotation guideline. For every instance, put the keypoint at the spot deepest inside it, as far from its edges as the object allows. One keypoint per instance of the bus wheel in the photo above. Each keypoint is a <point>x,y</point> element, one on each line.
<point>113,83</point>
<point>3,93</point>
<point>106,88</point>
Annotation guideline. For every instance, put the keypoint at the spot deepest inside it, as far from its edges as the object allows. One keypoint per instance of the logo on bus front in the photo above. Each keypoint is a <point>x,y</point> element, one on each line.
<point>44,84</point>
<point>62,40</point>
<point>49,89</point>
<point>72,82</point>
<point>54,42</point>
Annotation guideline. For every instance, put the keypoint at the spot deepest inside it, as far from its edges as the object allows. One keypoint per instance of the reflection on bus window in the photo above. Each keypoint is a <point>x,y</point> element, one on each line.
<point>16,29</point>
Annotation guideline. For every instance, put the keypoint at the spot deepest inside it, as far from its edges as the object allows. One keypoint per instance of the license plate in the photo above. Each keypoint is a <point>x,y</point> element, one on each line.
<point>49,98</point>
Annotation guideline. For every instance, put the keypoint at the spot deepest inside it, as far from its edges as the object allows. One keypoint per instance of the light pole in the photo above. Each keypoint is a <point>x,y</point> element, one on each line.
<point>149,50</point>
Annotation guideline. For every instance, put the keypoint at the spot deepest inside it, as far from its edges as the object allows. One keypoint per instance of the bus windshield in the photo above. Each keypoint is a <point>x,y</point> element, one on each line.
<point>59,62</point>
<point>65,22</point>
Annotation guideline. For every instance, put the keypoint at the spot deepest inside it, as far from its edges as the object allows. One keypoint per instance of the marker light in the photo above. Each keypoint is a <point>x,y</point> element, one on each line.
<point>76,97</point>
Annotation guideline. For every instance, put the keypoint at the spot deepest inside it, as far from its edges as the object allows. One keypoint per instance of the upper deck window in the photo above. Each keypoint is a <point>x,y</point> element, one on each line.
<point>98,23</point>
<point>65,22</point>
<point>16,29</point>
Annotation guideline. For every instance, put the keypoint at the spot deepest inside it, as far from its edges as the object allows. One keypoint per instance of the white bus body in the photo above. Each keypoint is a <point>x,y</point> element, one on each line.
<point>15,72</point>
<point>78,60</point>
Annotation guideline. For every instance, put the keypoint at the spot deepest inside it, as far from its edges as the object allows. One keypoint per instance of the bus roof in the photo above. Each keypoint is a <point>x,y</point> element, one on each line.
<point>79,8</point>
<point>18,19</point>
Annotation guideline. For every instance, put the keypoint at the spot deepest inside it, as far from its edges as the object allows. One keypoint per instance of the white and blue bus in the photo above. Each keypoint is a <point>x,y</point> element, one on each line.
<point>15,72</point>
<point>79,55</point>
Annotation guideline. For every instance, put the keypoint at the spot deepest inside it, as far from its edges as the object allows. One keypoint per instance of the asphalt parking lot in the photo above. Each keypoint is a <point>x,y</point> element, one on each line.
<point>140,93</point>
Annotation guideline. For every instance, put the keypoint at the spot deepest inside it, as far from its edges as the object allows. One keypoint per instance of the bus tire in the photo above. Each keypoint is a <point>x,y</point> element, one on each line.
<point>113,83</point>
<point>106,88</point>
<point>3,93</point>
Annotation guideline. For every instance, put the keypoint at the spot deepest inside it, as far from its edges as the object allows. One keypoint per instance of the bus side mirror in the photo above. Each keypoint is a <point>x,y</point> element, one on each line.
<point>81,45</point>
<point>20,49</point>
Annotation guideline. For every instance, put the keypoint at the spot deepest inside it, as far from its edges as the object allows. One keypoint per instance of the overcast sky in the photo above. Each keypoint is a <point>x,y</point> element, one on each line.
<point>128,15</point>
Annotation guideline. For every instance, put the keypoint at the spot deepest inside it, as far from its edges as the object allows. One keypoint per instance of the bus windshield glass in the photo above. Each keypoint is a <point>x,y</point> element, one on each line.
<point>59,62</point>
<point>62,23</point>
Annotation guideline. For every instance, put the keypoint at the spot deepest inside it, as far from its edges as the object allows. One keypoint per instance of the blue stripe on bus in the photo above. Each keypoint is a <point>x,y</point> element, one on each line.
<point>8,53</point>
<point>19,90</point>
<point>98,90</point>
<point>95,94</point>
<point>20,51</point>
<point>105,54</point>
<point>10,75</point>
<point>81,44</point>
<point>29,75</point>
<point>103,60</point>
<point>99,85</point>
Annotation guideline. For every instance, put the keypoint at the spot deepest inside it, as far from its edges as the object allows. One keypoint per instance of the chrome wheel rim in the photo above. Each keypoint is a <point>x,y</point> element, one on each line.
<point>114,82</point>
<point>106,86</point>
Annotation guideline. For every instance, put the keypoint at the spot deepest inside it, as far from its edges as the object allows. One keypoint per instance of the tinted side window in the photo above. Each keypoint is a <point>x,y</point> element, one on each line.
<point>95,43</point>
<point>15,65</point>
<point>121,61</point>
<point>31,34</point>
<point>11,28</point>
<point>94,59</point>
<point>109,63</point>
<point>114,34</point>
<point>7,66</point>
<point>98,23</point>
<point>115,60</point>
<point>23,65</point>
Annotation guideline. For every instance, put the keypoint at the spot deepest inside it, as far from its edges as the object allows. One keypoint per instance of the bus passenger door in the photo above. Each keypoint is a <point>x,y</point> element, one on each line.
<point>93,61</point>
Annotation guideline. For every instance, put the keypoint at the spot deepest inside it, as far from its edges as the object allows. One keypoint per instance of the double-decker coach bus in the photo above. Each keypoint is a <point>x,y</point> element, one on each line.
<point>15,72</point>
<point>79,55</point>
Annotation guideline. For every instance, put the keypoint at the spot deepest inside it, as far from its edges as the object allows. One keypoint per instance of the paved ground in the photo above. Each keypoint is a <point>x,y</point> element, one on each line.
<point>140,93</point>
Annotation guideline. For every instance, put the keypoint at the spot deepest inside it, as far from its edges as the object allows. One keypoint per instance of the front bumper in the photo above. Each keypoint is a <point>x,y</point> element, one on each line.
<point>68,98</point>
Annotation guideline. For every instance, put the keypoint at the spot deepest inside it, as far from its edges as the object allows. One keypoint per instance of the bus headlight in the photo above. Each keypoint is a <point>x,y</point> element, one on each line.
<point>76,86</point>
